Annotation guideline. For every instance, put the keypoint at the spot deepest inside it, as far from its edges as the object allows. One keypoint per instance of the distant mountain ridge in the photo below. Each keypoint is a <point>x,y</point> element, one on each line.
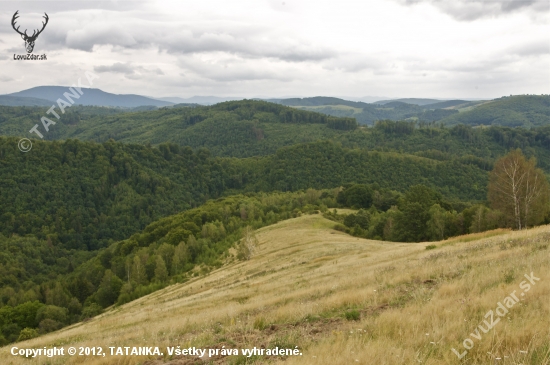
<point>8,100</point>
<point>90,97</point>
<point>366,113</point>
<point>202,100</point>
<point>414,101</point>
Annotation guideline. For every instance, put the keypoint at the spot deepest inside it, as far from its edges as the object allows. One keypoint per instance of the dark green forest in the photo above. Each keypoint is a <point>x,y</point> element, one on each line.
<point>253,128</point>
<point>85,195</point>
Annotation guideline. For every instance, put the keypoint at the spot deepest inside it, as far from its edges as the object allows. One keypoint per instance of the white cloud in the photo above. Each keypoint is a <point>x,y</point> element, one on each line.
<point>302,47</point>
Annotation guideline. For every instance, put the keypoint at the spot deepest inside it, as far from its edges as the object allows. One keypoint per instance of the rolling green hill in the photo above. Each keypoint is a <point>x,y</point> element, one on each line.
<point>525,111</point>
<point>244,128</point>
<point>366,113</point>
<point>413,101</point>
<point>250,128</point>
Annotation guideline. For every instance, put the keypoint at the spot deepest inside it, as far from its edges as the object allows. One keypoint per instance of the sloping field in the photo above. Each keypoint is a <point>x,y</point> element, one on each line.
<point>341,300</point>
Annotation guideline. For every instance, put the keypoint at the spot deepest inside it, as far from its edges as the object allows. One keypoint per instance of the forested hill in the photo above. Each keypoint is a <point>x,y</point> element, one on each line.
<point>84,195</point>
<point>366,113</point>
<point>514,111</point>
<point>252,128</point>
<point>243,128</point>
<point>525,111</point>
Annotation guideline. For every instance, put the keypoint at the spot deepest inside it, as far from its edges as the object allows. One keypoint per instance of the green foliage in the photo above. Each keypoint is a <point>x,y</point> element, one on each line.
<point>86,195</point>
<point>357,195</point>
<point>52,312</point>
<point>27,334</point>
<point>91,310</point>
<point>420,215</point>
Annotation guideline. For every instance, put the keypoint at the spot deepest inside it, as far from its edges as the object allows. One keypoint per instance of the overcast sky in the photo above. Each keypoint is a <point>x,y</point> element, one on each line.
<point>280,48</point>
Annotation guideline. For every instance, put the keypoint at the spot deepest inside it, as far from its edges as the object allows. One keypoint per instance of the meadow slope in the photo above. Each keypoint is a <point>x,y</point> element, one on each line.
<point>341,300</point>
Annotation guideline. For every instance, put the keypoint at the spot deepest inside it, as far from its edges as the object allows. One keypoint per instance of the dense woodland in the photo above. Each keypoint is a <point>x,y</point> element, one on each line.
<point>85,195</point>
<point>115,204</point>
<point>252,128</point>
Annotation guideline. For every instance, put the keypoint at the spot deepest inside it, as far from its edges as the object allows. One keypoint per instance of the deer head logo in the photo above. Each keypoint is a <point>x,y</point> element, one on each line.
<point>29,40</point>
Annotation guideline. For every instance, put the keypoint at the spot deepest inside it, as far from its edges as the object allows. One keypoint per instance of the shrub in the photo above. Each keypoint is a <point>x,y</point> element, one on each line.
<point>49,325</point>
<point>27,334</point>
<point>91,310</point>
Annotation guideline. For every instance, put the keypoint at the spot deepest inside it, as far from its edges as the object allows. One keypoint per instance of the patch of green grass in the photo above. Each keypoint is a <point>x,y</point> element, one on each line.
<point>352,315</point>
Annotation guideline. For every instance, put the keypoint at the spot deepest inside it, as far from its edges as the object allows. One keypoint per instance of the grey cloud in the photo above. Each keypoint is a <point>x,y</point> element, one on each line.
<point>122,68</point>
<point>99,34</point>
<point>132,72</point>
<point>356,63</point>
<point>531,49</point>
<point>84,30</point>
<point>235,70</point>
<point>468,10</point>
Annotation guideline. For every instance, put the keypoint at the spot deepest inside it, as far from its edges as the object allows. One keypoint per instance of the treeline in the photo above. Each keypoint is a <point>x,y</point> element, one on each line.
<point>53,289</point>
<point>420,214</point>
<point>518,197</point>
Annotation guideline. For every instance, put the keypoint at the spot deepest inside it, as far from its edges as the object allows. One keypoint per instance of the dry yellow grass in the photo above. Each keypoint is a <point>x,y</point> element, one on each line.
<point>412,305</point>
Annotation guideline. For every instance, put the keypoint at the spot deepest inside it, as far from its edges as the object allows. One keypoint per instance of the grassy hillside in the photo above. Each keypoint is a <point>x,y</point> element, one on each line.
<point>341,300</point>
<point>525,111</point>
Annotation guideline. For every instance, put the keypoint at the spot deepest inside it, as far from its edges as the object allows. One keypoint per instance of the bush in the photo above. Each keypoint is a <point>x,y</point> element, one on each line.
<point>49,325</point>
<point>52,312</point>
<point>431,247</point>
<point>91,310</point>
<point>26,334</point>
<point>340,227</point>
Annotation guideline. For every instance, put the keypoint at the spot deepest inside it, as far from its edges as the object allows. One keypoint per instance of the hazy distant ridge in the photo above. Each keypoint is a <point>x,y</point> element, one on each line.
<point>91,97</point>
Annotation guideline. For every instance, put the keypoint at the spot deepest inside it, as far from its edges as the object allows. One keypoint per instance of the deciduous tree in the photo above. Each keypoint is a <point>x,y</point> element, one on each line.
<point>519,190</point>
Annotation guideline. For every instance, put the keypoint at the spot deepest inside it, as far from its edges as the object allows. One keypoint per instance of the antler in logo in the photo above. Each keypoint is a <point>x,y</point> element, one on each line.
<point>29,40</point>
